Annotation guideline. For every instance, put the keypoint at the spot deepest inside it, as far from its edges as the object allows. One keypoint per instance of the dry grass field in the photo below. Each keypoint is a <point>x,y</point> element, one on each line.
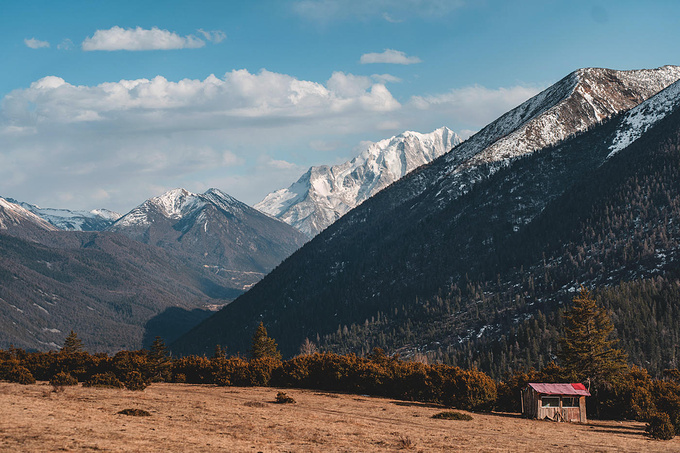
<point>186,418</point>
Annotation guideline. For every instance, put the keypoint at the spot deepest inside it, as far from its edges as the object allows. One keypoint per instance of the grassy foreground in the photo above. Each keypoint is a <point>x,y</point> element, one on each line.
<point>187,417</point>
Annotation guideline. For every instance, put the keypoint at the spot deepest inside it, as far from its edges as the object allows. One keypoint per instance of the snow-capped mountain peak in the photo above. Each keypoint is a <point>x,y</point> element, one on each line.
<point>325,193</point>
<point>175,203</point>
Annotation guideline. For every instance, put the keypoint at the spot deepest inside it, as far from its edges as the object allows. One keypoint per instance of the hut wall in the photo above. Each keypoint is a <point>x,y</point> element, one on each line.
<point>532,406</point>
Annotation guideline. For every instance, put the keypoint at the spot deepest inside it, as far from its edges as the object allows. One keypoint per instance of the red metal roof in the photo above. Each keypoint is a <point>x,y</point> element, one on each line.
<point>560,389</point>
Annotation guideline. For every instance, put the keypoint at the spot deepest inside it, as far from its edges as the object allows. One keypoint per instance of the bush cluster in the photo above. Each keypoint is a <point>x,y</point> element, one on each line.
<point>633,395</point>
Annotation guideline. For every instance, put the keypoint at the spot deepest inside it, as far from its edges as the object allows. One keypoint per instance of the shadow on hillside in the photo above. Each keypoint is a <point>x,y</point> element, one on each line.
<point>172,323</point>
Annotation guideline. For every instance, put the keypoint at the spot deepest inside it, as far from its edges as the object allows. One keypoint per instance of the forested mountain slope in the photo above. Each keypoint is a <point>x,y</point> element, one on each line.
<point>451,275</point>
<point>104,286</point>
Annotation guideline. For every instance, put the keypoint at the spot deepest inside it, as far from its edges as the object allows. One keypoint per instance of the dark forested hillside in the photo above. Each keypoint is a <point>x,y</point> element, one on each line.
<point>102,285</point>
<point>616,229</point>
<point>480,280</point>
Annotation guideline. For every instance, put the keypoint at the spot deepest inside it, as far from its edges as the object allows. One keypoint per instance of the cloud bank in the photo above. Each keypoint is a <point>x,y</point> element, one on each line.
<point>389,56</point>
<point>117,38</point>
<point>114,144</point>
<point>36,43</point>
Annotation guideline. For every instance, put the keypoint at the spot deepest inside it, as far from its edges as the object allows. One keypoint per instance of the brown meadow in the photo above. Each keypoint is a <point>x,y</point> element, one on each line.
<point>208,418</point>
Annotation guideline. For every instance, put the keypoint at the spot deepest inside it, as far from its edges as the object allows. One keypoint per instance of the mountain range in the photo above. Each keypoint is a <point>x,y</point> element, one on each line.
<point>158,270</point>
<point>325,193</point>
<point>65,219</point>
<point>464,255</point>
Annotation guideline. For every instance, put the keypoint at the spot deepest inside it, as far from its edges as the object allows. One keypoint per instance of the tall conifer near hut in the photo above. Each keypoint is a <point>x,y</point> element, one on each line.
<point>262,345</point>
<point>587,349</point>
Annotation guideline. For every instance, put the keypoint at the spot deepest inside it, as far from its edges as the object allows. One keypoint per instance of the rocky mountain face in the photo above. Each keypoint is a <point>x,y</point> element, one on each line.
<point>212,231</point>
<point>465,252</point>
<point>65,219</point>
<point>326,193</point>
<point>17,221</point>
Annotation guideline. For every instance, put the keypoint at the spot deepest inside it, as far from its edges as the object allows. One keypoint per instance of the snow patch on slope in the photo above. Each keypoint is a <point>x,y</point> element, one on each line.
<point>639,119</point>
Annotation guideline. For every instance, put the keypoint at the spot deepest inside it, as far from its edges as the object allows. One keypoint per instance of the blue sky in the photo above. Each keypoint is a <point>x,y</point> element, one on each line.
<point>105,104</point>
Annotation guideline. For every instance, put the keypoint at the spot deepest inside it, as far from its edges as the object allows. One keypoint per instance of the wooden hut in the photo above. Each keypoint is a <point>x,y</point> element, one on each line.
<point>559,402</point>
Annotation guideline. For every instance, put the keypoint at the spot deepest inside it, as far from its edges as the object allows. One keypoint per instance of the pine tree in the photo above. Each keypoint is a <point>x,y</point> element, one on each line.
<point>220,352</point>
<point>72,344</point>
<point>308,348</point>
<point>159,360</point>
<point>586,347</point>
<point>262,345</point>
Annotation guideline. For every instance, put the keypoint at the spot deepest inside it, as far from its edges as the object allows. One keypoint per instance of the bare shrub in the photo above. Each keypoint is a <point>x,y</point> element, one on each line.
<point>135,381</point>
<point>660,427</point>
<point>61,380</point>
<point>282,398</point>
<point>106,380</point>
<point>452,415</point>
<point>20,375</point>
<point>135,412</point>
<point>405,443</point>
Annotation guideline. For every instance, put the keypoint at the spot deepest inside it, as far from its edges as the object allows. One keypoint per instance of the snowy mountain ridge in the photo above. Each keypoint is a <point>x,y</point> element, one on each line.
<point>325,193</point>
<point>639,119</point>
<point>177,204</point>
<point>581,100</point>
<point>14,215</point>
<point>65,219</point>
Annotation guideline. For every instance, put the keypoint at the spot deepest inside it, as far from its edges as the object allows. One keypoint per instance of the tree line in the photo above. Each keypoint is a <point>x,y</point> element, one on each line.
<point>587,353</point>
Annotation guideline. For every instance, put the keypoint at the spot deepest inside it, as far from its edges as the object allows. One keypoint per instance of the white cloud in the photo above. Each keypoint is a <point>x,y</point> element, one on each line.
<point>66,44</point>
<point>385,78</point>
<point>36,43</point>
<point>130,136</point>
<point>474,105</point>
<point>280,164</point>
<point>117,38</point>
<point>388,56</point>
<point>215,36</point>
<point>245,133</point>
<point>323,11</point>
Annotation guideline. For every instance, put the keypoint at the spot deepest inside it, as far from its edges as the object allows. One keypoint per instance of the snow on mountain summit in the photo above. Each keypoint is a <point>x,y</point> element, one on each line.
<point>325,193</point>
<point>65,219</point>
<point>14,215</point>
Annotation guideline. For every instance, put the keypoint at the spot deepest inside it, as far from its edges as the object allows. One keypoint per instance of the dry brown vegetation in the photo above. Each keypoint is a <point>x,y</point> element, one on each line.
<point>207,418</point>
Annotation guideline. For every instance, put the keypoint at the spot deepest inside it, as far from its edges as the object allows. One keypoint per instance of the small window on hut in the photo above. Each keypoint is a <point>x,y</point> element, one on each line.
<point>550,401</point>
<point>569,402</point>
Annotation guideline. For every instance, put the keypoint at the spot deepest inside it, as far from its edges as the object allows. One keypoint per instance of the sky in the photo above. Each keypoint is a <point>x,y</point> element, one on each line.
<point>104,104</point>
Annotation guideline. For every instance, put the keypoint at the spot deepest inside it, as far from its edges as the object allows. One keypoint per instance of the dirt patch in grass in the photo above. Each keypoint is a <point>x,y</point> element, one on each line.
<point>197,418</point>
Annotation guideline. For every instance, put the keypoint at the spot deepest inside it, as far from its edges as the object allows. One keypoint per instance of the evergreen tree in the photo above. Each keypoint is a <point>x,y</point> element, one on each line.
<point>159,360</point>
<point>72,344</point>
<point>586,347</point>
<point>220,352</point>
<point>159,352</point>
<point>262,345</point>
<point>308,348</point>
